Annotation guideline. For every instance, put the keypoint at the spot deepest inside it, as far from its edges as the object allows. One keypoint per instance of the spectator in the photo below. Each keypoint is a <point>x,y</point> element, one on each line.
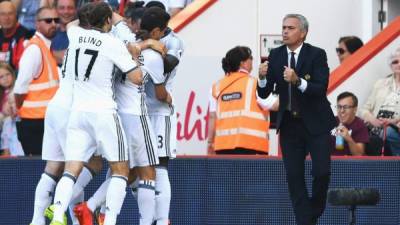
<point>66,10</point>
<point>350,127</point>
<point>27,11</point>
<point>237,124</point>
<point>393,139</point>
<point>12,35</point>
<point>393,135</point>
<point>37,82</point>
<point>6,83</point>
<point>382,108</point>
<point>9,139</point>
<point>347,46</point>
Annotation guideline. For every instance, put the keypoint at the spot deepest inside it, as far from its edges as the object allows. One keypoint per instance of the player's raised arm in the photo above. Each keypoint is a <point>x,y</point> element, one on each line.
<point>136,76</point>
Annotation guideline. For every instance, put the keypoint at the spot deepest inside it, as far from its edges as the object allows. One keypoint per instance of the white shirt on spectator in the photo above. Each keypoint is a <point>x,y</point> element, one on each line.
<point>30,66</point>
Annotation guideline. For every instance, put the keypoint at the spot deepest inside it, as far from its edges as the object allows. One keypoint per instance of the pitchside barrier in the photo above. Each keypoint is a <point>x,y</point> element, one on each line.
<point>225,191</point>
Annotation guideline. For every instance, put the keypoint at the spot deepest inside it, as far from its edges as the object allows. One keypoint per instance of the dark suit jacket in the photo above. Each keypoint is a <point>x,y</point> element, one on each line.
<point>314,106</point>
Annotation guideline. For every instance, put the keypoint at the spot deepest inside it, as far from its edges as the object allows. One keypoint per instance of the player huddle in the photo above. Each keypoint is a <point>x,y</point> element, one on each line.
<point>114,101</point>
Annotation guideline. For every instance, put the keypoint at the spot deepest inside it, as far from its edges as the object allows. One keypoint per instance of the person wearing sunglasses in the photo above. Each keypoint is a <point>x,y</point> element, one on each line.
<point>350,127</point>
<point>347,46</point>
<point>382,110</point>
<point>37,82</point>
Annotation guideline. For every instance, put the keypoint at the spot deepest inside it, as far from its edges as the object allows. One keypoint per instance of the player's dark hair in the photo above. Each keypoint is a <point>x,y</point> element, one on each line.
<point>83,15</point>
<point>155,4</point>
<point>233,58</point>
<point>135,14</point>
<point>99,15</point>
<point>133,5</point>
<point>153,17</point>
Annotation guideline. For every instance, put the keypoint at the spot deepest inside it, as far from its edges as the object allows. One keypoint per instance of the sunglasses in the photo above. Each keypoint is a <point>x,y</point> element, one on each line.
<point>340,51</point>
<point>394,62</point>
<point>50,20</point>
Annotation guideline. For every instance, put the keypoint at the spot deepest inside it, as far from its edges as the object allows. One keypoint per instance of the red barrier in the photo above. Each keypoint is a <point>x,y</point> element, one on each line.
<point>189,13</point>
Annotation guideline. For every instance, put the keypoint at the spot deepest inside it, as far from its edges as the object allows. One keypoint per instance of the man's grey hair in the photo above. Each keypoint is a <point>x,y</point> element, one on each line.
<point>301,18</point>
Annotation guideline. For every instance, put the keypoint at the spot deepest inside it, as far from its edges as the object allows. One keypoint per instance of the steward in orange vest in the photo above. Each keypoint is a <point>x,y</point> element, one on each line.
<point>42,89</point>
<point>37,82</point>
<point>240,123</point>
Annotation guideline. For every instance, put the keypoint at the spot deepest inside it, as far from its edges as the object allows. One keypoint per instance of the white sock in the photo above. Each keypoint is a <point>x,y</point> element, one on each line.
<point>115,198</point>
<point>72,204</point>
<point>99,197</point>
<point>83,179</point>
<point>146,201</point>
<point>163,198</point>
<point>63,196</point>
<point>103,204</point>
<point>43,197</point>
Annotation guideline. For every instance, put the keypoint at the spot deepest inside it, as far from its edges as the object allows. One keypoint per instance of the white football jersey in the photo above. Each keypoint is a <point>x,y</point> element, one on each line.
<point>131,97</point>
<point>63,96</point>
<point>96,54</point>
<point>122,32</point>
<point>175,47</point>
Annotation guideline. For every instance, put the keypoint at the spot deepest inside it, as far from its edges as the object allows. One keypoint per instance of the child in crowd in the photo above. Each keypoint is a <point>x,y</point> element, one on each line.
<point>9,138</point>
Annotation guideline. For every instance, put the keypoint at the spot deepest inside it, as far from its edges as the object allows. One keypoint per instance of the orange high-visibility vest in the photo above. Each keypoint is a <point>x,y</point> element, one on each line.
<point>240,122</point>
<point>41,89</point>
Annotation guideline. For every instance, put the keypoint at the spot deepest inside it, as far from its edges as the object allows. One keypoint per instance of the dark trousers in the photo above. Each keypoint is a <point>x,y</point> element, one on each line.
<point>296,143</point>
<point>30,134</point>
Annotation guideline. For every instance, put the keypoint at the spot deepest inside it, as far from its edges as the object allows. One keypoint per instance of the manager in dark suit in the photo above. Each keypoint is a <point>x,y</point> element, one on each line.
<point>305,118</point>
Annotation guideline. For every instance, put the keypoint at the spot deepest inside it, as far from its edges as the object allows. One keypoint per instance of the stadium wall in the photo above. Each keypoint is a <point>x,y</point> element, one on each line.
<point>225,191</point>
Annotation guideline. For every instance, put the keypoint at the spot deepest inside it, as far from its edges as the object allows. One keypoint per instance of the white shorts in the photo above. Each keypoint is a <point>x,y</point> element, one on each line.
<point>141,140</point>
<point>165,129</point>
<point>88,131</point>
<point>54,137</point>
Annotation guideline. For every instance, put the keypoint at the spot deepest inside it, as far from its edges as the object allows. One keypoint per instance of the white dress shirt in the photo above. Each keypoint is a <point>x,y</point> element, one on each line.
<point>303,84</point>
<point>262,83</point>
